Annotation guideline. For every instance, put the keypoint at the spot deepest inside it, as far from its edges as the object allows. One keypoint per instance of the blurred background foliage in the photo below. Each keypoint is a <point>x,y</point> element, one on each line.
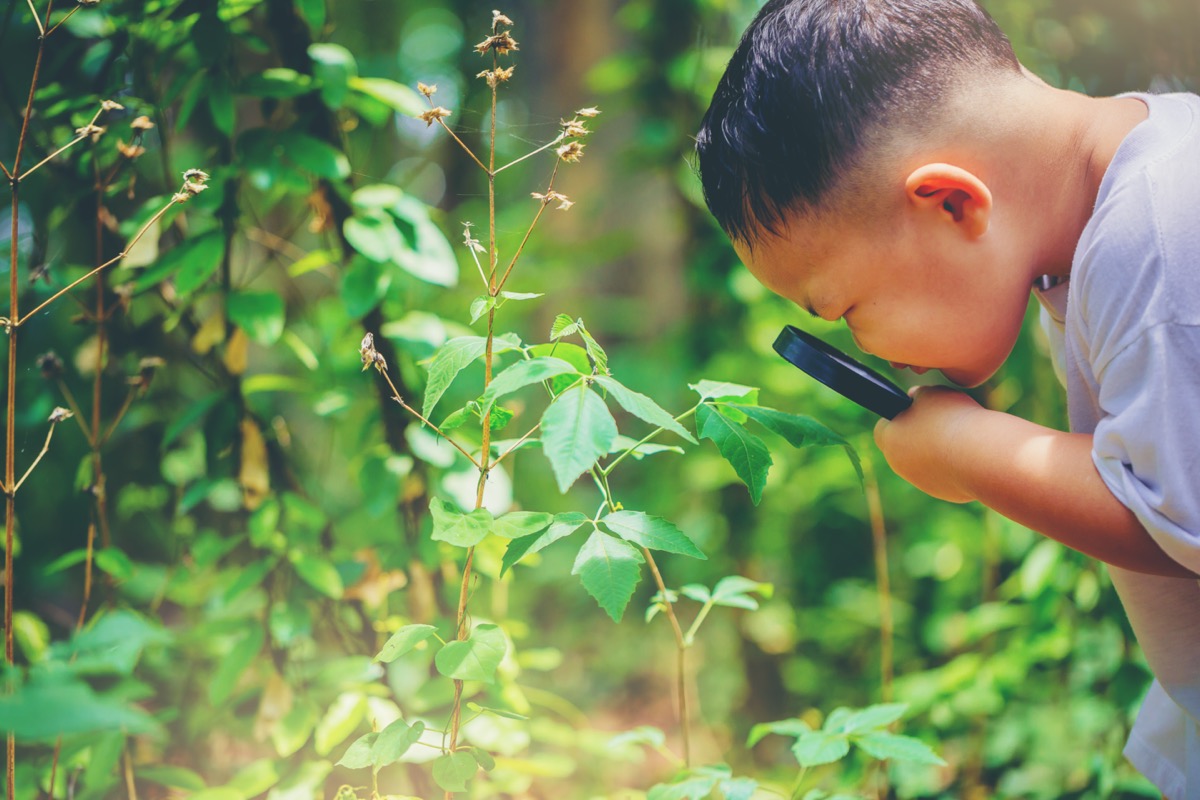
<point>265,520</point>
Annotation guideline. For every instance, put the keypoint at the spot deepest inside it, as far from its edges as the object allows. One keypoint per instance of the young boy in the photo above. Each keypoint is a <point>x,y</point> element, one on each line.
<point>890,163</point>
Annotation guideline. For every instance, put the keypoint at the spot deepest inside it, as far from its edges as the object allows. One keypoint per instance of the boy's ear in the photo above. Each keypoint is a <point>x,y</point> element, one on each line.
<point>952,192</point>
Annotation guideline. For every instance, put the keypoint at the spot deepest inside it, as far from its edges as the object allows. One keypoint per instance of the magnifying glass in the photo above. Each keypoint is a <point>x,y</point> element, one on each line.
<point>841,373</point>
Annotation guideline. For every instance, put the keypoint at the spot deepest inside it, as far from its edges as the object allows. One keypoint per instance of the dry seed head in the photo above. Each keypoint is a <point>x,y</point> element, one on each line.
<point>573,128</point>
<point>197,175</point>
<point>470,241</point>
<point>59,414</point>
<point>502,43</point>
<point>88,3</point>
<point>111,105</point>
<point>590,111</point>
<point>427,90</point>
<point>91,129</point>
<point>369,355</point>
<point>130,150</point>
<point>570,152</point>
<point>434,114</point>
<point>50,365</point>
<point>499,19</point>
<point>142,123</point>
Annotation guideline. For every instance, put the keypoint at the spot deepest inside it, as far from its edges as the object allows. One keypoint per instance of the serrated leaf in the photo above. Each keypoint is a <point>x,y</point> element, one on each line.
<point>643,407</point>
<point>577,429</point>
<point>460,530</point>
<point>711,390</point>
<point>517,524</point>
<point>452,771</point>
<point>610,570</point>
<point>404,640</point>
<point>452,358</point>
<point>474,659</point>
<point>800,431</point>
<point>747,454</point>
<point>394,741</point>
<point>653,533</point>
<point>784,727</point>
<point>874,717</point>
<point>594,350</point>
<point>522,374</point>
<point>562,526</point>
<point>818,747</point>
<point>563,326</point>
<point>894,747</point>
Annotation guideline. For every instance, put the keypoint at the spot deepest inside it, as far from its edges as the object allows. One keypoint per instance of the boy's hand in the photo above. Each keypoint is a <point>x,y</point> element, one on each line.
<point>922,443</point>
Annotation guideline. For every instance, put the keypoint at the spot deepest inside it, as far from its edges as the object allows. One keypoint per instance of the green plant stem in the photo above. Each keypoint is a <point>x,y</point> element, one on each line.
<point>689,638</point>
<point>518,443</point>
<point>799,783</point>
<point>879,545</point>
<point>396,396</point>
<point>76,414</point>
<point>36,461</point>
<point>613,465</point>
<point>521,248</point>
<point>681,645</point>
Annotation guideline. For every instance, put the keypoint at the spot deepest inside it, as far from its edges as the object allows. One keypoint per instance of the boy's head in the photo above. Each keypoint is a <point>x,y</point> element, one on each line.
<point>815,142</point>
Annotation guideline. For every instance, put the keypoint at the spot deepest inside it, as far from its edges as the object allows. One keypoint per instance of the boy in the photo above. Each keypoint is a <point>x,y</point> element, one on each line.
<point>890,163</point>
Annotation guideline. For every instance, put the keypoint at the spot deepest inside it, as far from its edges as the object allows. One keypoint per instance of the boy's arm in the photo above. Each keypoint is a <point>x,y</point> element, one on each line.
<point>950,447</point>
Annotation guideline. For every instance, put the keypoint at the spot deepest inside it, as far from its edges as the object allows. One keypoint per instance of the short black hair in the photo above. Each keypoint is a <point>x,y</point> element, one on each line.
<point>809,84</point>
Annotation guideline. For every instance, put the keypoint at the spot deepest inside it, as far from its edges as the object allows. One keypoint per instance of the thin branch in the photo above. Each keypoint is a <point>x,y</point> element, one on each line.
<point>58,24</point>
<point>69,144</point>
<point>159,215</point>
<point>879,540</point>
<point>528,233</point>
<point>37,20</point>
<point>541,149</point>
<point>38,460</point>
<point>519,442</point>
<point>120,416</point>
<point>454,136</point>
<point>608,470</point>
<point>7,174</point>
<point>396,396</point>
<point>69,396</point>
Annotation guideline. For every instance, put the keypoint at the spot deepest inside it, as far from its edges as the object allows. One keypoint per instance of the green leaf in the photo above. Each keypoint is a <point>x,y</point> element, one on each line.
<point>318,573</point>
<point>800,431</point>
<point>460,530</point>
<point>711,390</point>
<point>404,640</point>
<point>364,285</point>
<point>746,452</point>
<point>396,96</point>
<point>474,659</point>
<point>480,306</point>
<point>499,712</point>
<point>610,570</point>
<point>374,234</point>
<point>894,747</point>
<point>277,82</point>
<point>220,104</point>
<point>594,350</point>
<point>452,358</point>
<point>562,526</point>
<point>452,771</point>
<point>43,710</point>
<point>642,735</point>
<point>784,727</point>
<point>483,758</point>
<point>517,524</point>
<point>577,429</point>
<point>234,663</point>
<point>333,67</point>
<point>340,720</point>
<point>394,741</point>
<point>643,407</point>
<point>694,788</point>
<point>358,754</point>
<point>639,450</point>
<point>522,374</point>
<point>653,533</point>
<point>818,747</point>
<point>696,592</point>
<point>314,155</point>
<point>874,717</point>
<point>733,590</point>
<point>738,788</point>
<point>313,12</point>
<point>522,295</point>
<point>194,260</point>
<point>291,732</point>
<point>171,776</point>
<point>427,255</point>
<point>564,325</point>
<point>261,314</point>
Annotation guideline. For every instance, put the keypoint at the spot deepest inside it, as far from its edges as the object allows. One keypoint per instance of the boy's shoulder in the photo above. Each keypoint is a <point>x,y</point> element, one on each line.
<point>1135,264</point>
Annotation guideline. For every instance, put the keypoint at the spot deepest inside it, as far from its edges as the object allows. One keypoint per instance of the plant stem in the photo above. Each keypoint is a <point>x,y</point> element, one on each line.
<point>518,443</point>
<point>36,461</point>
<point>396,396</point>
<point>647,438</point>
<point>541,149</point>
<point>799,782</point>
<point>541,208</point>
<point>879,541</point>
<point>690,637</point>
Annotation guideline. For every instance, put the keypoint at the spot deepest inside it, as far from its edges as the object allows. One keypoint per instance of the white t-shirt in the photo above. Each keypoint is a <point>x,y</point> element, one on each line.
<point>1125,333</point>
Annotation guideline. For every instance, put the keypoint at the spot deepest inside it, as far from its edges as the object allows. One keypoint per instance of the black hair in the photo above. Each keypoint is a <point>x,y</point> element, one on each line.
<point>812,81</point>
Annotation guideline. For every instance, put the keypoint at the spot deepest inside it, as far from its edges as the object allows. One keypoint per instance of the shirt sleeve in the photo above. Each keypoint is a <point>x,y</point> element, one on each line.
<point>1147,443</point>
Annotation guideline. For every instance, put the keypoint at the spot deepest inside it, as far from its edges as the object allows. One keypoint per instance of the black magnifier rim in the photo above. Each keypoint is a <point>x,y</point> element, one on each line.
<point>841,373</point>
